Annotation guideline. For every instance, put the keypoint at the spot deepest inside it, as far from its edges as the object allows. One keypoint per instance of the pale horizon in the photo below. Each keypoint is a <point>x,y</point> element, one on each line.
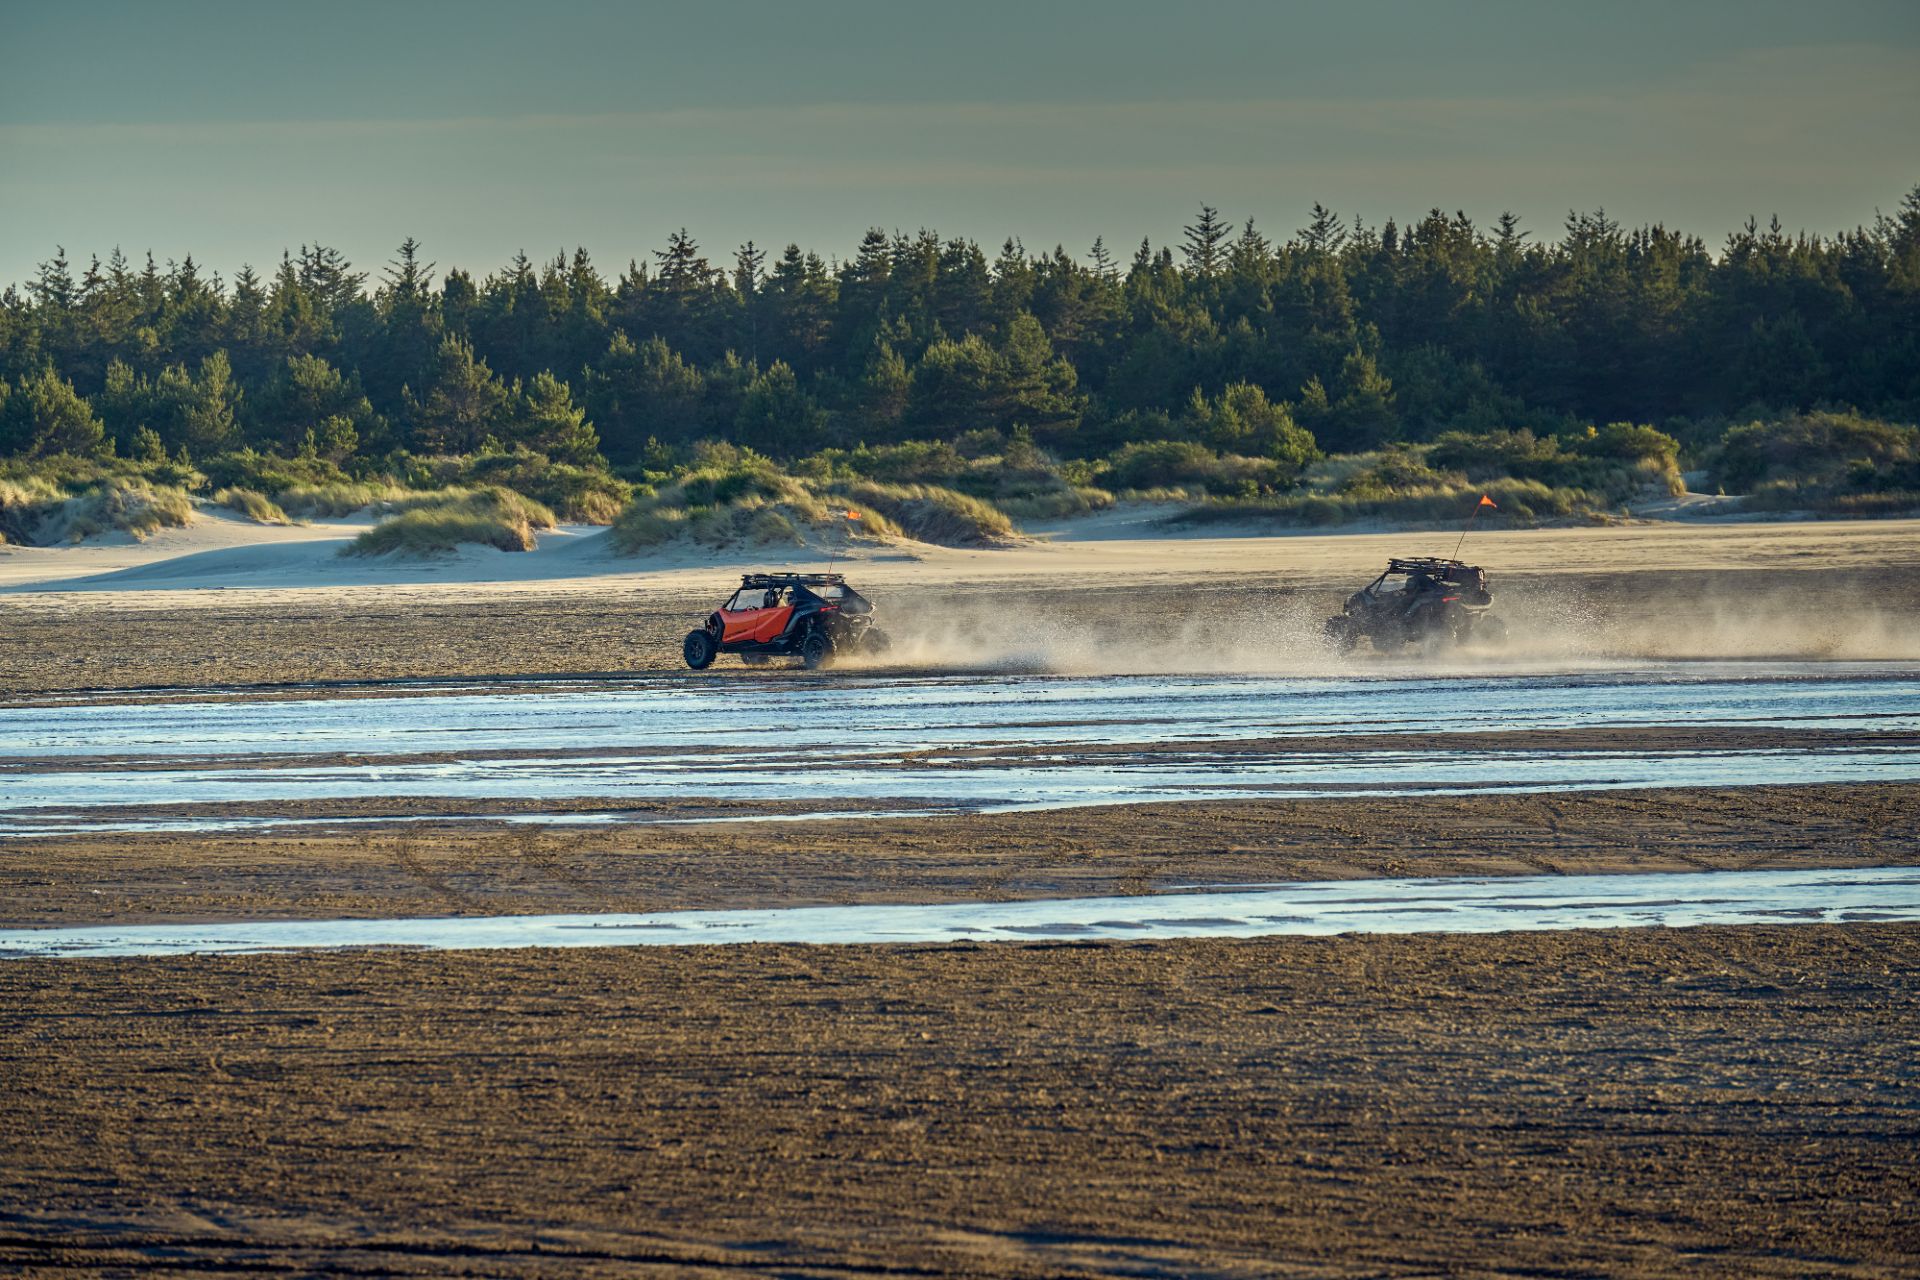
<point>1087,124</point>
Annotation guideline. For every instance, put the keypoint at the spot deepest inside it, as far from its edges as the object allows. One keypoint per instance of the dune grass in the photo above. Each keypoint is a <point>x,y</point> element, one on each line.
<point>252,504</point>
<point>931,513</point>
<point>745,502</point>
<point>1519,502</point>
<point>750,502</point>
<point>578,495</point>
<point>38,512</point>
<point>439,523</point>
<point>341,498</point>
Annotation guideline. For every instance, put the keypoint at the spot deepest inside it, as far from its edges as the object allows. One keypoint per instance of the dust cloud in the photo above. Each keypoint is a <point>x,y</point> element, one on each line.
<point>1253,631</point>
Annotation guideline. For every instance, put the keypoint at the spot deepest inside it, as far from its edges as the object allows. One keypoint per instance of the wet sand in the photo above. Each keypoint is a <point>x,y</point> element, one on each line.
<point>437,868</point>
<point>1727,1102</point>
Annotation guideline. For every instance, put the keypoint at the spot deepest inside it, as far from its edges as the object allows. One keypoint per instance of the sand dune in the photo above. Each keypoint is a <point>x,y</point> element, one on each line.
<point>222,553</point>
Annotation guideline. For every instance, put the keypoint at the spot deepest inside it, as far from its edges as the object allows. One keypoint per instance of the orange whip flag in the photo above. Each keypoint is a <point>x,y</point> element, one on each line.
<point>1485,501</point>
<point>853,515</point>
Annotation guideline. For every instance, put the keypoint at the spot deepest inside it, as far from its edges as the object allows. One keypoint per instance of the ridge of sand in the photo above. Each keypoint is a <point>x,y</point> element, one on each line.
<point>222,553</point>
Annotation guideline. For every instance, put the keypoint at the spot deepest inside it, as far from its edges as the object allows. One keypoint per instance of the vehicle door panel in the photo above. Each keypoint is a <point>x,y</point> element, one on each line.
<point>740,618</point>
<point>771,623</point>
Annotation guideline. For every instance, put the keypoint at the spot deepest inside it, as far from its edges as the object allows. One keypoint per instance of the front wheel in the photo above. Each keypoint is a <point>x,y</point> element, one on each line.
<point>699,649</point>
<point>876,641</point>
<point>816,650</point>
<point>1489,630</point>
<point>1341,634</point>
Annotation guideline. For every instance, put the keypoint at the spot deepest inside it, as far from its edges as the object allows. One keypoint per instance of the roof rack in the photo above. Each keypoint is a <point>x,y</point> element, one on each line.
<point>793,579</point>
<point>1426,564</point>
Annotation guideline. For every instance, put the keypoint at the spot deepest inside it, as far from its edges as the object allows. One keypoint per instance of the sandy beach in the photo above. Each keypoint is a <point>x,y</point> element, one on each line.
<point>1637,1102</point>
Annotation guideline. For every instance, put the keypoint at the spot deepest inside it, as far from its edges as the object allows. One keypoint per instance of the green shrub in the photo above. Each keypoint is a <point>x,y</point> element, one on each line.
<point>1621,461</point>
<point>1820,452</point>
<point>1392,472</point>
<point>268,473</point>
<point>910,462</point>
<point>1493,455</point>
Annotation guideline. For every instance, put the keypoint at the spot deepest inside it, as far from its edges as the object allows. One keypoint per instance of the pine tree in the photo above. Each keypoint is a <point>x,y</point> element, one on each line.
<point>749,263</point>
<point>44,415</point>
<point>464,405</point>
<point>1325,233</point>
<point>1103,263</point>
<point>549,423</point>
<point>1205,249</point>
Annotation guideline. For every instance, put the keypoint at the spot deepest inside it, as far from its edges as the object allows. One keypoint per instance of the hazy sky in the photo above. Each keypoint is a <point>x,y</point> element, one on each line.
<point>234,130</point>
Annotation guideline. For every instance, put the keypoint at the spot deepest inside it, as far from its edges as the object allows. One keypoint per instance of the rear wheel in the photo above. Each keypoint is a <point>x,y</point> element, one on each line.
<point>816,650</point>
<point>699,649</point>
<point>876,641</point>
<point>1489,630</point>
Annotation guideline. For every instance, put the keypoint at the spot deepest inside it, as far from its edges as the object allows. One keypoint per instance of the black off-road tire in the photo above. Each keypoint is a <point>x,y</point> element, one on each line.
<point>876,641</point>
<point>699,649</point>
<point>816,650</point>
<point>1341,634</point>
<point>1489,630</point>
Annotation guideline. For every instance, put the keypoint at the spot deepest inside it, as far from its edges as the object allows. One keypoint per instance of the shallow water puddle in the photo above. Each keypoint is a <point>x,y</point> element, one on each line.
<point>976,742</point>
<point>889,714</point>
<point>89,801</point>
<point>1307,908</point>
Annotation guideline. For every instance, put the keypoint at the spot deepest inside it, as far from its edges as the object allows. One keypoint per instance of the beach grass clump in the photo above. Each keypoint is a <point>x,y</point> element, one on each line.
<point>1520,503</point>
<point>932,513</point>
<point>61,498</point>
<point>24,500</point>
<point>1185,470</point>
<point>252,504</point>
<point>745,500</point>
<point>489,517</point>
<point>336,498</point>
<point>577,494</point>
<point>1010,475</point>
<point>119,505</point>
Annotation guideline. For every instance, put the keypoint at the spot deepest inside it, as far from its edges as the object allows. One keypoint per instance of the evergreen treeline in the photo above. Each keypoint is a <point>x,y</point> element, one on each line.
<point>1343,336</point>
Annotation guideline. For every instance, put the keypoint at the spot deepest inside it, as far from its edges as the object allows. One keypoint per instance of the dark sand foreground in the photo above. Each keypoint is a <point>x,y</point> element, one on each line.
<point>1727,1102</point>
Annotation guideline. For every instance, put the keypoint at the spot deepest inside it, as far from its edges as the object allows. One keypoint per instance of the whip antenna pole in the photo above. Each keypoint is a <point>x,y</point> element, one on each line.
<point>847,531</point>
<point>1485,501</point>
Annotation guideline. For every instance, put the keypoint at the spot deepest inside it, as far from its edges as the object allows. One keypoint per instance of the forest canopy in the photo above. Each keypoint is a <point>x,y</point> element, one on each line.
<point>1340,338</point>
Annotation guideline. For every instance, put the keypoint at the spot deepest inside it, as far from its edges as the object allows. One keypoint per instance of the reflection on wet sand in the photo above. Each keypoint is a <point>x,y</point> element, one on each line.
<point>1437,905</point>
